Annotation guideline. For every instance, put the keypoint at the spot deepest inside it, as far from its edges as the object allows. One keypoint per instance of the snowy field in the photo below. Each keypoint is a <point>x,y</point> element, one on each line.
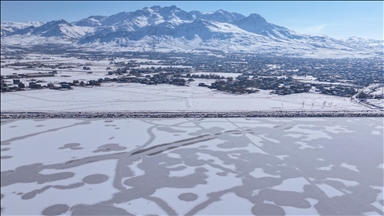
<point>284,166</point>
<point>139,97</point>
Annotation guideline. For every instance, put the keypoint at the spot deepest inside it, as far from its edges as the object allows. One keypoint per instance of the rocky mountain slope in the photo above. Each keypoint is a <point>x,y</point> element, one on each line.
<point>165,29</point>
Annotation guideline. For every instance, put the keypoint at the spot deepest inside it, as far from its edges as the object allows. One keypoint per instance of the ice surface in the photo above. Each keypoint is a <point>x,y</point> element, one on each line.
<point>217,161</point>
<point>310,134</point>
<point>345,182</point>
<point>135,169</point>
<point>214,183</point>
<point>259,173</point>
<point>292,184</point>
<point>186,170</point>
<point>225,206</point>
<point>299,211</point>
<point>282,157</point>
<point>142,206</point>
<point>141,167</point>
<point>348,166</point>
<point>330,191</point>
<point>88,144</point>
<point>86,194</point>
<point>326,168</point>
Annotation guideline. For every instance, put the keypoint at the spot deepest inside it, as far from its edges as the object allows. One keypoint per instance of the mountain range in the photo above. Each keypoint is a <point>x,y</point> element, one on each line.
<point>166,29</point>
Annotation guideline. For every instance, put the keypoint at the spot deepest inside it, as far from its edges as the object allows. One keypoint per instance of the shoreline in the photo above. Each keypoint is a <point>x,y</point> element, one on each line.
<point>190,114</point>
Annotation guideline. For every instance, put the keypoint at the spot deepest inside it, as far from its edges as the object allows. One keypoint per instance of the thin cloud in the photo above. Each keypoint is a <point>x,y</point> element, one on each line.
<point>317,29</point>
<point>321,29</point>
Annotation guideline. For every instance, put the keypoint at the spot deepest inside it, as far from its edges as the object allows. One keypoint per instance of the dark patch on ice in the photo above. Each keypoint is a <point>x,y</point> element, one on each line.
<point>20,193</point>
<point>163,205</point>
<point>233,141</point>
<point>117,128</point>
<point>38,120</point>
<point>5,143</point>
<point>201,170</point>
<point>285,198</point>
<point>381,202</point>
<point>39,125</point>
<point>6,157</point>
<point>72,146</point>
<point>71,186</point>
<point>183,142</point>
<point>13,126</point>
<point>5,149</point>
<point>57,209</point>
<point>29,174</point>
<point>3,173</point>
<point>110,147</point>
<point>287,128</point>
<point>169,130</point>
<point>95,179</point>
<point>178,168</point>
<point>111,138</point>
<point>226,145</point>
<point>267,209</point>
<point>33,193</point>
<point>332,183</point>
<point>222,173</point>
<point>188,197</point>
<point>176,134</point>
<point>233,132</point>
<point>107,121</point>
<point>98,209</point>
<point>145,185</point>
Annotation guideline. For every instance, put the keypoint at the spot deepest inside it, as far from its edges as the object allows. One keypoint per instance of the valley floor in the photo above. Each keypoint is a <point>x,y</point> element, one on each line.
<point>138,97</point>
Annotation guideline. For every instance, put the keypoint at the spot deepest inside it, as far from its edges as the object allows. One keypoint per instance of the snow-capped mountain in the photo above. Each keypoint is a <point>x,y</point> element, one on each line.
<point>165,29</point>
<point>218,16</point>
<point>92,21</point>
<point>10,27</point>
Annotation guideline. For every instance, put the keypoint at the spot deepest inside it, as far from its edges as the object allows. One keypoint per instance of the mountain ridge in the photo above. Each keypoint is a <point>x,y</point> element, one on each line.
<point>166,29</point>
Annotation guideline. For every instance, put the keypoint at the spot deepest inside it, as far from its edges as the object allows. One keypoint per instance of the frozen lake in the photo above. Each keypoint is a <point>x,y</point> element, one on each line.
<point>233,166</point>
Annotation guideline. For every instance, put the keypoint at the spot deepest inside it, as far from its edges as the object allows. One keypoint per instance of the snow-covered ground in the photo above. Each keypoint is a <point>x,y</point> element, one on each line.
<point>279,166</point>
<point>136,97</point>
<point>374,89</point>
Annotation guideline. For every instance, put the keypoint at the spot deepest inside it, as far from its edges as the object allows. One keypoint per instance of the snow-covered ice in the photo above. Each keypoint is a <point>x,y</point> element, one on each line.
<point>191,166</point>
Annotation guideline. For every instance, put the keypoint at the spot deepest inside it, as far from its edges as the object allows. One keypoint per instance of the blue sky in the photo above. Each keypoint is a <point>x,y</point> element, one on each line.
<point>338,19</point>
